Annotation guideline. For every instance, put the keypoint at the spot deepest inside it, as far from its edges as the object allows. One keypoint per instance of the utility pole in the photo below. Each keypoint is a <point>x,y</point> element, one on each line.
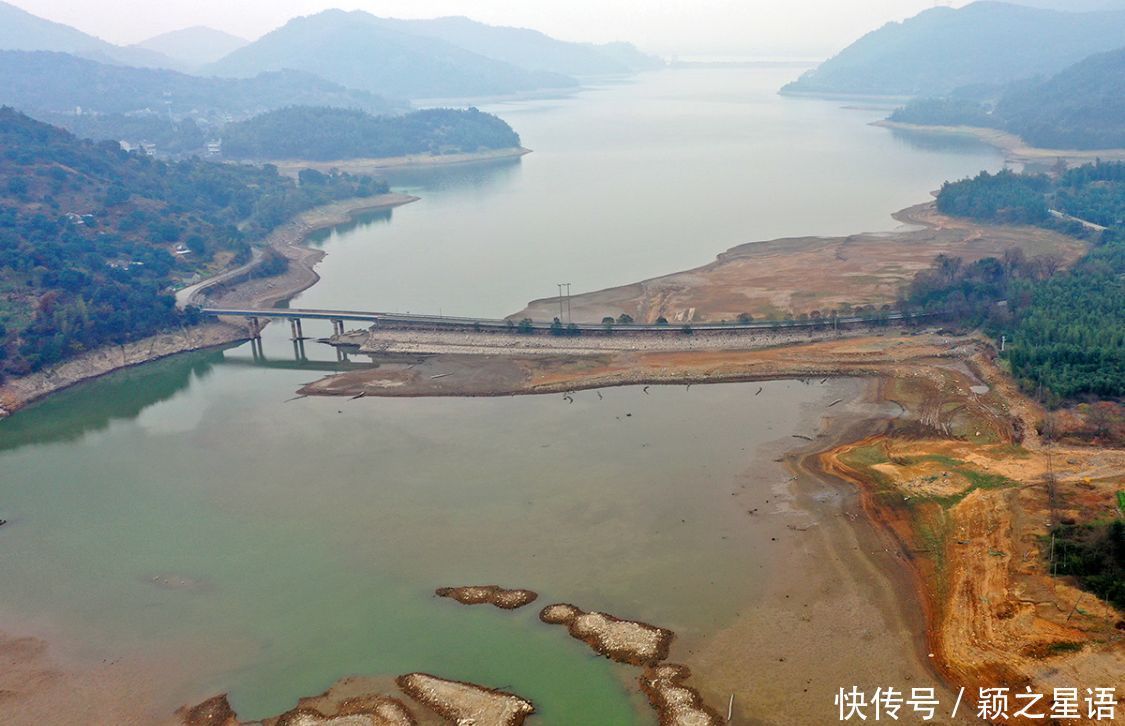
<point>568,320</point>
<point>560,300</point>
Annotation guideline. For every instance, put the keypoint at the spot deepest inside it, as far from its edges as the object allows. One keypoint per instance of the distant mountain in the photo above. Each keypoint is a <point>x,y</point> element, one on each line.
<point>195,46</point>
<point>1074,6</point>
<point>944,48</point>
<point>359,50</point>
<point>1083,107</point>
<point>60,83</point>
<point>530,48</point>
<point>20,30</point>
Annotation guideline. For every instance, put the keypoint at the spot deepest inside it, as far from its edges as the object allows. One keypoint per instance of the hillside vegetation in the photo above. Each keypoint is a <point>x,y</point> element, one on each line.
<point>1065,329</point>
<point>328,134</point>
<point>92,239</point>
<point>1083,107</point>
<point>943,49</point>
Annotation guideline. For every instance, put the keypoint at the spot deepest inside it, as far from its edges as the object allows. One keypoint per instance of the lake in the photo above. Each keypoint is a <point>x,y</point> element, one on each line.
<point>190,506</point>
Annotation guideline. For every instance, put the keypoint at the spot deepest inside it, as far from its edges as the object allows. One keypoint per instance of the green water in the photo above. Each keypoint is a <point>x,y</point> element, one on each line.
<point>314,531</point>
<point>317,529</point>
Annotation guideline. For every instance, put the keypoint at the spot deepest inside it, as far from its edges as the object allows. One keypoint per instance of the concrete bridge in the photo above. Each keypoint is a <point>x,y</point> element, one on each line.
<point>445,322</point>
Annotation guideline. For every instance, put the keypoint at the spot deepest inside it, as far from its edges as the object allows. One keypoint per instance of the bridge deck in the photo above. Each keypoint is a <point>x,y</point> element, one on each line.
<point>445,321</point>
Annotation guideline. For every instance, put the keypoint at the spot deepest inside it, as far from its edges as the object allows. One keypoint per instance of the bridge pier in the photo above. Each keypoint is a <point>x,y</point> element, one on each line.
<point>337,327</point>
<point>255,329</point>
<point>295,329</point>
<point>299,350</point>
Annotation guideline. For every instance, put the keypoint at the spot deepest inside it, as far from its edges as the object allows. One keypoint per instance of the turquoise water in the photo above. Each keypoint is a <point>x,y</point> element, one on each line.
<point>310,534</point>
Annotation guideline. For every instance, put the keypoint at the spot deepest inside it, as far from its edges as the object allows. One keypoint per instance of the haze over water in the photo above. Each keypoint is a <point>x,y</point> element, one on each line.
<point>317,529</point>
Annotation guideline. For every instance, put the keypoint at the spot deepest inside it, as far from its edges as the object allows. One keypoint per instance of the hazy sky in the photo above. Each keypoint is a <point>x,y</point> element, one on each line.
<point>686,27</point>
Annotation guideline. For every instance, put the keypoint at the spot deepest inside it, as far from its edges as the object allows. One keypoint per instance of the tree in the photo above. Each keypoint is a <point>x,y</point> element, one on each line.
<point>624,319</point>
<point>662,320</point>
<point>557,327</point>
<point>744,318</point>
<point>607,323</point>
<point>526,326</point>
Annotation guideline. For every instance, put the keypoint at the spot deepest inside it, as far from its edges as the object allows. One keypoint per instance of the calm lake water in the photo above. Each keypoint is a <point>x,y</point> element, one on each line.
<point>311,533</point>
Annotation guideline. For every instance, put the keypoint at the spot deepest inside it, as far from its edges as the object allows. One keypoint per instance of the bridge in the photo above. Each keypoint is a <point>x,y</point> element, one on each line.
<point>446,322</point>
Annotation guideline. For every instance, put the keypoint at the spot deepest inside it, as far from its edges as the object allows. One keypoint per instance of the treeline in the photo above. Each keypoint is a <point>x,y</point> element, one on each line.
<point>1004,197</point>
<point>94,239</point>
<point>1065,329</point>
<point>329,134</point>
<point>1082,107</point>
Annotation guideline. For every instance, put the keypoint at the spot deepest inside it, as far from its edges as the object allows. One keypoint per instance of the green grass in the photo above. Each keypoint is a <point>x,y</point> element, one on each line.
<point>1059,648</point>
<point>1121,503</point>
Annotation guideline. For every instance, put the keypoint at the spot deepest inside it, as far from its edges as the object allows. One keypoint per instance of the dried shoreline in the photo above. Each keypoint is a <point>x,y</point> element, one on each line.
<point>1015,148</point>
<point>17,393</point>
<point>412,161</point>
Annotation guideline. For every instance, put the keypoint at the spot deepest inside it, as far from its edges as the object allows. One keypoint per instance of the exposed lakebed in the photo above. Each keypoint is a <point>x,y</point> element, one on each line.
<point>189,507</point>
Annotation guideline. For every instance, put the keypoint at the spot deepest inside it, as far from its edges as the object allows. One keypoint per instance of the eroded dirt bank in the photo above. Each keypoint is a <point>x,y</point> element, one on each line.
<point>966,488</point>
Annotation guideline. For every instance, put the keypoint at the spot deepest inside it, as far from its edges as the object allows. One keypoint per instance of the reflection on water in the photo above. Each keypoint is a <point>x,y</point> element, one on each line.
<point>361,221</point>
<point>946,143</point>
<point>122,396</point>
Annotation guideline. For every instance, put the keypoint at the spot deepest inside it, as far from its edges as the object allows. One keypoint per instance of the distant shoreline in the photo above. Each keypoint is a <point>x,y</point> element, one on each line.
<point>374,165</point>
<point>1015,148</point>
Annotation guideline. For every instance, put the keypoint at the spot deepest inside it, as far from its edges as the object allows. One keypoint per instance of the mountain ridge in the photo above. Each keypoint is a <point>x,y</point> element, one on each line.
<point>942,49</point>
<point>357,50</point>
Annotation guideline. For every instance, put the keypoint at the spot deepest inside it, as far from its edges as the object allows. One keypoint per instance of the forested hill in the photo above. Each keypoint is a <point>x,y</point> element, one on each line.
<point>58,83</point>
<point>943,49</point>
<point>329,134</point>
<point>92,238</point>
<point>1066,329</point>
<point>1083,107</point>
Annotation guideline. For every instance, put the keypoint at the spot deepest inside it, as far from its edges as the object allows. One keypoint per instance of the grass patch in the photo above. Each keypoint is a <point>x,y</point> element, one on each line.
<point>865,456</point>
<point>932,531</point>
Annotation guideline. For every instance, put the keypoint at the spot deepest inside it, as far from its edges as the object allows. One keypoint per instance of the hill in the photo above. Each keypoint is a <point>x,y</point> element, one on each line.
<point>193,47</point>
<point>359,50</point>
<point>942,49</point>
<point>92,237</point>
<point>330,134</point>
<point>20,30</point>
<point>1065,329</point>
<point>1083,107</point>
<point>58,82</point>
<point>530,49</point>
